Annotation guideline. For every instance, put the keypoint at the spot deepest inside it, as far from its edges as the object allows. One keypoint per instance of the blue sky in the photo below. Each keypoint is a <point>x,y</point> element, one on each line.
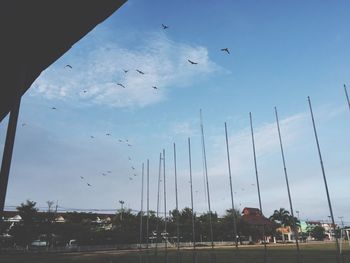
<point>281,52</point>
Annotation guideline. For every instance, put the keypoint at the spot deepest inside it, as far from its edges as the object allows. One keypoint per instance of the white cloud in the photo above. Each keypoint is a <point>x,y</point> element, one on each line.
<point>94,76</point>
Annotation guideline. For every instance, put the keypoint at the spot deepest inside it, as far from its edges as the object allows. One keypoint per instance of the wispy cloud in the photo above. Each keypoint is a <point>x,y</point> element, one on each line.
<point>93,78</point>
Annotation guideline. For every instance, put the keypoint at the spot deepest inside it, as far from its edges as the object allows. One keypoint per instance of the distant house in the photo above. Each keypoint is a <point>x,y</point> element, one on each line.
<point>254,218</point>
<point>60,219</point>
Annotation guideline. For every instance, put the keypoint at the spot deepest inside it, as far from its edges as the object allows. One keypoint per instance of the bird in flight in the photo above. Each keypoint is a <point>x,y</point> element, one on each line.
<point>132,167</point>
<point>130,178</point>
<point>109,172</point>
<point>135,174</point>
<point>193,63</point>
<point>24,124</point>
<point>88,184</point>
<point>68,66</point>
<point>154,87</point>
<point>84,90</point>
<point>121,85</point>
<point>129,158</point>
<point>92,137</point>
<point>53,108</point>
<point>225,50</point>
<point>103,174</point>
<point>108,134</point>
<point>141,72</point>
<point>125,71</point>
<point>81,177</point>
<point>120,140</point>
<point>165,26</point>
<point>129,144</point>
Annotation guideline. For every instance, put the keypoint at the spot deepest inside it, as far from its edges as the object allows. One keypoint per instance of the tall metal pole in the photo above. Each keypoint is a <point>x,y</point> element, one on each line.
<point>191,185</point>
<point>341,232</point>
<point>7,153</point>
<point>207,182</point>
<point>257,183</point>
<point>288,189</point>
<point>177,206</point>
<point>157,223</point>
<point>232,201</point>
<point>325,180</point>
<point>141,213</point>
<point>147,223</point>
<point>347,96</point>
<point>165,212</point>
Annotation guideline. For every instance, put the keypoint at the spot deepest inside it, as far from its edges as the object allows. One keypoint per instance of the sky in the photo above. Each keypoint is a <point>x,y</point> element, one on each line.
<point>280,53</point>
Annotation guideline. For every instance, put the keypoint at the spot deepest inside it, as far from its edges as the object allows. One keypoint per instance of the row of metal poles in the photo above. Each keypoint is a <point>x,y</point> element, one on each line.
<point>7,158</point>
<point>339,258</point>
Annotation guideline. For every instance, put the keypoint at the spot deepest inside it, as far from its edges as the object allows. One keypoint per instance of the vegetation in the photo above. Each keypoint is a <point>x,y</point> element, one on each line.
<point>123,227</point>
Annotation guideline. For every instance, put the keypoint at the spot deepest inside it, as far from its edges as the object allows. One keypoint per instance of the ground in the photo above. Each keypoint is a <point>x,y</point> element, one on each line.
<point>320,253</point>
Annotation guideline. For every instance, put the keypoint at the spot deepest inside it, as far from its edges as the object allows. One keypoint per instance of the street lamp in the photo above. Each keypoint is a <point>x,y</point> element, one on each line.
<point>121,202</point>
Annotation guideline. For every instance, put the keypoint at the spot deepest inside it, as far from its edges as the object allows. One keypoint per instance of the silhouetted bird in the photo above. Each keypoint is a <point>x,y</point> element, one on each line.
<point>130,178</point>
<point>132,167</point>
<point>135,174</point>
<point>154,87</point>
<point>109,172</point>
<point>53,108</point>
<point>68,66</point>
<point>225,50</point>
<point>193,63</point>
<point>108,134</point>
<point>24,124</point>
<point>120,140</point>
<point>129,158</point>
<point>92,137</point>
<point>84,90</point>
<point>165,26</point>
<point>129,144</point>
<point>141,72</point>
<point>81,177</point>
<point>88,184</point>
<point>121,85</point>
<point>125,71</point>
<point>103,174</point>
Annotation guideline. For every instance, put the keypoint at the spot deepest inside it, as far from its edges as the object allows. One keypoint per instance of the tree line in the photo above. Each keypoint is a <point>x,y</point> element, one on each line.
<point>124,227</point>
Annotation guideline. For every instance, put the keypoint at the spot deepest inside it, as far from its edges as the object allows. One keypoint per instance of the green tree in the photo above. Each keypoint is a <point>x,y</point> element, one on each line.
<point>28,229</point>
<point>318,232</point>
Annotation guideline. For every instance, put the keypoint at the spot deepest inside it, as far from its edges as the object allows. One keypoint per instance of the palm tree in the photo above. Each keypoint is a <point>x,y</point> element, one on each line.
<point>285,219</point>
<point>281,217</point>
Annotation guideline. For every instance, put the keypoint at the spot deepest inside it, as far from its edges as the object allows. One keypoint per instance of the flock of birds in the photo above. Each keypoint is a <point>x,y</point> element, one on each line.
<point>126,71</point>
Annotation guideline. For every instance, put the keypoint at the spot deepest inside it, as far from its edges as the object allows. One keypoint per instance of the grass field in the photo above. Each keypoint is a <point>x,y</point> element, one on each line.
<point>320,253</point>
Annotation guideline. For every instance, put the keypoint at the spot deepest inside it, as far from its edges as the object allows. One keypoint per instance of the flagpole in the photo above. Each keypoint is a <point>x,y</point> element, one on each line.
<point>165,211</point>
<point>141,213</point>
<point>230,179</point>
<point>257,183</point>
<point>288,189</point>
<point>191,185</point>
<point>206,177</point>
<point>157,223</point>
<point>347,96</point>
<point>177,206</point>
<point>147,225</point>
<point>325,181</point>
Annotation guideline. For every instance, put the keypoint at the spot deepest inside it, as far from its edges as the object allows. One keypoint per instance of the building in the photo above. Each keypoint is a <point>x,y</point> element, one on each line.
<point>255,219</point>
